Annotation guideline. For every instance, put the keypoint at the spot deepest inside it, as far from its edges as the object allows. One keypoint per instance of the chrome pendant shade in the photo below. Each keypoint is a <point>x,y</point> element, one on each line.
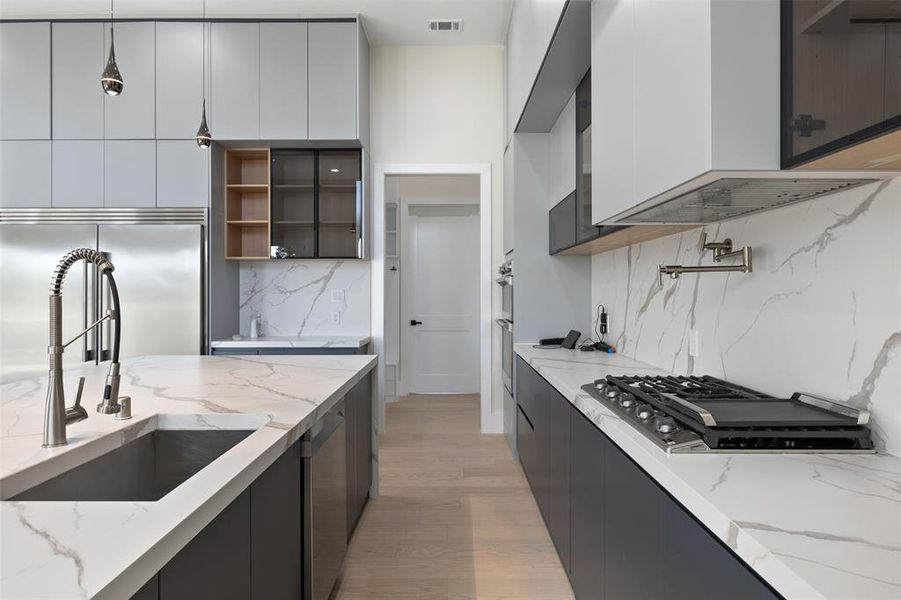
<point>203,137</point>
<point>111,79</point>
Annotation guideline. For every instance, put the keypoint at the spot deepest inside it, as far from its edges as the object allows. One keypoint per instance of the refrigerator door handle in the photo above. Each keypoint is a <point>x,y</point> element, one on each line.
<point>87,349</point>
<point>103,332</point>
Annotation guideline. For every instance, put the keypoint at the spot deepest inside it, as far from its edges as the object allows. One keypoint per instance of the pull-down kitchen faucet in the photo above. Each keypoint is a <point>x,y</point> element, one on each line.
<point>56,415</point>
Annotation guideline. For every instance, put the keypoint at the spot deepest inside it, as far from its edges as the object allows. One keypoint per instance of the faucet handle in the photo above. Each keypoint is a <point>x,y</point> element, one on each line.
<point>77,412</point>
<point>124,408</point>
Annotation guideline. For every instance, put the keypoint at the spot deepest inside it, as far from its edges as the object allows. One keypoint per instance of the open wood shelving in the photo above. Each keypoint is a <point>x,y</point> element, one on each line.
<point>247,204</point>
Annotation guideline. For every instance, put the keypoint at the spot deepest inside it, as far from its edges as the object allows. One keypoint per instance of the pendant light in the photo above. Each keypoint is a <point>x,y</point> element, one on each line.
<point>111,80</point>
<point>204,138</point>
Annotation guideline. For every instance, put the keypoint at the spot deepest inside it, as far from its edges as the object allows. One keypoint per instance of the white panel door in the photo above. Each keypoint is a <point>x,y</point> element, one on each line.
<point>179,79</point>
<point>25,173</point>
<point>443,291</point>
<point>130,115</point>
<point>25,81</point>
<point>182,174</point>
<point>129,173</point>
<point>78,60</point>
<point>77,173</point>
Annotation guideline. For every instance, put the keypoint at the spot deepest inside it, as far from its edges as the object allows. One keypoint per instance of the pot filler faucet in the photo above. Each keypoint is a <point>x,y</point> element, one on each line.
<point>721,251</point>
<point>56,415</point>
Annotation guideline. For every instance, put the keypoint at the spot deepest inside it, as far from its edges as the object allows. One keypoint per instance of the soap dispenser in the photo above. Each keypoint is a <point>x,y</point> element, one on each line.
<point>255,327</point>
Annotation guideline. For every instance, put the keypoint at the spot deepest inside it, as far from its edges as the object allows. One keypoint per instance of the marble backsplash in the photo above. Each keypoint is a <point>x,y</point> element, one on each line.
<point>821,313</point>
<point>294,297</point>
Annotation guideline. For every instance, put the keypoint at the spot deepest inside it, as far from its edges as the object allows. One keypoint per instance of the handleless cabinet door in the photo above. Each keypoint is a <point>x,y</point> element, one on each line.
<point>179,79</point>
<point>130,115</point>
<point>283,81</point>
<point>558,522</point>
<point>235,90</point>
<point>25,81</point>
<point>77,173</point>
<point>182,174</point>
<point>588,529</point>
<point>25,173</point>
<point>129,173</point>
<point>78,60</point>
<point>333,81</point>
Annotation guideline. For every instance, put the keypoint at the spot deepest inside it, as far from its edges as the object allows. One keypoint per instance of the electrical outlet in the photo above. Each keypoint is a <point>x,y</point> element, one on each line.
<point>337,295</point>
<point>336,318</point>
<point>694,343</point>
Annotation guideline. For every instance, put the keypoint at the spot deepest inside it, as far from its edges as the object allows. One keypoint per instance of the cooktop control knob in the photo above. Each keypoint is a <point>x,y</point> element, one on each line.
<point>645,412</point>
<point>666,425</point>
<point>611,393</point>
<point>627,400</point>
<point>600,385</point>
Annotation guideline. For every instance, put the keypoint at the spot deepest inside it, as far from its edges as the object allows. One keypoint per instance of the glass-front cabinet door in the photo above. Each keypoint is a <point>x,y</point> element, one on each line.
<point>841,74</point>
<point>293,204</point>
<point>316,203</point>
<point>340,186</point>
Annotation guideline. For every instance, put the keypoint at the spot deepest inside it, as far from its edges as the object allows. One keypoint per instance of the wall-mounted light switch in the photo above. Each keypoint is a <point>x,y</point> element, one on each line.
<point>694,343</point>
<point>336,318</point>
<point>337,295</point>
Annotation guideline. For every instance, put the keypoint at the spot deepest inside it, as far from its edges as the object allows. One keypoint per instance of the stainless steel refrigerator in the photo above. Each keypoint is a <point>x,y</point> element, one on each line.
<point>159,257</point>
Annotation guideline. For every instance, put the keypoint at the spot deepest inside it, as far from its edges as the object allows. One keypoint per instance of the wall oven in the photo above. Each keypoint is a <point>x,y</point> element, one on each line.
<point>505,280</point>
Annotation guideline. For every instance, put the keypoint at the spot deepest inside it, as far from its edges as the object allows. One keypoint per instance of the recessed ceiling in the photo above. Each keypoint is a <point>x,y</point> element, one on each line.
<point>386,21</point>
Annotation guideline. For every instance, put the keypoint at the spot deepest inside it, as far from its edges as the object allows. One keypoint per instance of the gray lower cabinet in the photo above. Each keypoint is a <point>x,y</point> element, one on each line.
<point>216,563</point>
<point>182,174</point>
<point>25,173</point>
<point>283,81</point>
<point>587,499</point>
<point>129,173</point>
<point>358,414</point>
<point>558,511</point>
<point>179,79</point>
<point>78,58</point>
<point>333,67</point>
<point>130,115</point>
<point>618,533</point>
<point>235,68</point>
<point>25,81</point>
<point>77,173</point>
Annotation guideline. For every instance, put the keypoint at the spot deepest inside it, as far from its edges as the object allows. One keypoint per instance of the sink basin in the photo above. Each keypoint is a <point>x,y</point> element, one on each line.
<point>143,470</point>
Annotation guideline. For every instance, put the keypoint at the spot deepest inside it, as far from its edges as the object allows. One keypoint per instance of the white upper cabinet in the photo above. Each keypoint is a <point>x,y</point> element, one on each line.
<point>333,80</point>
<point>77,173</point>
<point>179,79</point>
<point>612,107</point>
<point>182,174</point>
<point>78,59</point>
<point>235,68</point>
<point>130,115</point>
<point>25,173</point>
<point>508,199</point>
<point>684,87</point>
<point>129,173</point>
<point>532,25</point>
<point>25,81</point>
<point>283,81</point>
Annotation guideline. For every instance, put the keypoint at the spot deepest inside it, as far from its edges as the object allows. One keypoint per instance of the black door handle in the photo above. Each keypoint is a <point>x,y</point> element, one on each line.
<point>415,322</point>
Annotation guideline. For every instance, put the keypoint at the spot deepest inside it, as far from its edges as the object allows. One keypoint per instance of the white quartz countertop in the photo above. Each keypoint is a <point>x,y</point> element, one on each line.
<point>811,525</point>
<point>109,549</point>
<point>284,341</point>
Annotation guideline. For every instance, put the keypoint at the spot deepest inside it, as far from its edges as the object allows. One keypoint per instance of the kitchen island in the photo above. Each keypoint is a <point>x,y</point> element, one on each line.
<point>110,549</point>
<point>809,525</point>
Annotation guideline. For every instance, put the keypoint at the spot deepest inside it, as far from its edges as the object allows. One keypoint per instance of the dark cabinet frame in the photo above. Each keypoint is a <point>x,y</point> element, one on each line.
<point>786,108</point>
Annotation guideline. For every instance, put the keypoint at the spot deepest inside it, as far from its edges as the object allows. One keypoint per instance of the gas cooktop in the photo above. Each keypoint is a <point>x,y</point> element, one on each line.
<point>706,414</point>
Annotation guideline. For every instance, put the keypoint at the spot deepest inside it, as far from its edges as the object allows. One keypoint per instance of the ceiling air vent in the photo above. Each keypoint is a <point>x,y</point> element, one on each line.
<point>445,24</point>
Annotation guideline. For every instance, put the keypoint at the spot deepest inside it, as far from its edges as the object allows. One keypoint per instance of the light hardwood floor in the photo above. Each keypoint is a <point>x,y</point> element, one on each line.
<point>455,519</point>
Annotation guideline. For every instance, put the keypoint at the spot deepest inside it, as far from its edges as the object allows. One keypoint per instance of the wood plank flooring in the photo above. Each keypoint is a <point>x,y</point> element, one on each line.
<point>455,519</point>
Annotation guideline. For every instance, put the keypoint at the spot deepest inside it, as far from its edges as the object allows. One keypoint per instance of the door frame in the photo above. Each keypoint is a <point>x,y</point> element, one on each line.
<point>490,422</point>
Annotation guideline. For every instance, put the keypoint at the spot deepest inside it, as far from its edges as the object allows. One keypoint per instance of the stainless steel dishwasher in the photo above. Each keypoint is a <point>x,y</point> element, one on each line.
<point>324,503</point>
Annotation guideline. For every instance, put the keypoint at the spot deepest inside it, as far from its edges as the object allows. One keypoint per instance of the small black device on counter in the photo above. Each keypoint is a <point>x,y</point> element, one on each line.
<point>569,342</point>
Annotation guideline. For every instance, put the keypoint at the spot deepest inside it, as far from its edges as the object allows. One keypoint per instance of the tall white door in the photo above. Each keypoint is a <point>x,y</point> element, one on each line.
<point>443,294</point>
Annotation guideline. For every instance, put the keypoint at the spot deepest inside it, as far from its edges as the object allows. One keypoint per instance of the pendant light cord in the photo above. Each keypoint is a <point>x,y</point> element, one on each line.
<point>203,52</point>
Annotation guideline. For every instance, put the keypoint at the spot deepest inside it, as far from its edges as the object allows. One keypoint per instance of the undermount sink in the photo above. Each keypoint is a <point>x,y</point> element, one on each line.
<point>142,470</point>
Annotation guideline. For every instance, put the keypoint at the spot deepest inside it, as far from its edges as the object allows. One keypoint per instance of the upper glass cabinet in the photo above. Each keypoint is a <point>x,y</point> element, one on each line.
<point>841,74</point>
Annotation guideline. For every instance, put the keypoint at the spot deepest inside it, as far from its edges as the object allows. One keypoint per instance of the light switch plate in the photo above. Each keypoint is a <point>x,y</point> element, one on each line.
<point>694,343</point>
<point>337,295</point>
<point>336,318</point>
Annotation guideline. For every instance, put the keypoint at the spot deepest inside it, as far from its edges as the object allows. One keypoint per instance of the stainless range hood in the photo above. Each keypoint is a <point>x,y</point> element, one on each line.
<point>722,195</point>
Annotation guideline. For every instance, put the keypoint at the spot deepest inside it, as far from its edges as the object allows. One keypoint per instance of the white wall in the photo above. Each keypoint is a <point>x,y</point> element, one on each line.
<point>821,313</point>
<point>443,104</point>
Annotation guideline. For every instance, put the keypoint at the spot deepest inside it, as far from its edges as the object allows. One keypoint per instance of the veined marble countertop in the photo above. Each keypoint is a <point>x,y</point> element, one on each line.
<point>109,549</point>
<point>812,525</point>
<point>285,341</point>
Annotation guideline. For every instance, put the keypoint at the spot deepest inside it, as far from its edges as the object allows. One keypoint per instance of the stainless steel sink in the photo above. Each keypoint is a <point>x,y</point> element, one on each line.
<point>145,469</point>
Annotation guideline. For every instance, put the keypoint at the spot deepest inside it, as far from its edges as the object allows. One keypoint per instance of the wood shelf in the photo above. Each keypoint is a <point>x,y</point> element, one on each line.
<point>247,204</point>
